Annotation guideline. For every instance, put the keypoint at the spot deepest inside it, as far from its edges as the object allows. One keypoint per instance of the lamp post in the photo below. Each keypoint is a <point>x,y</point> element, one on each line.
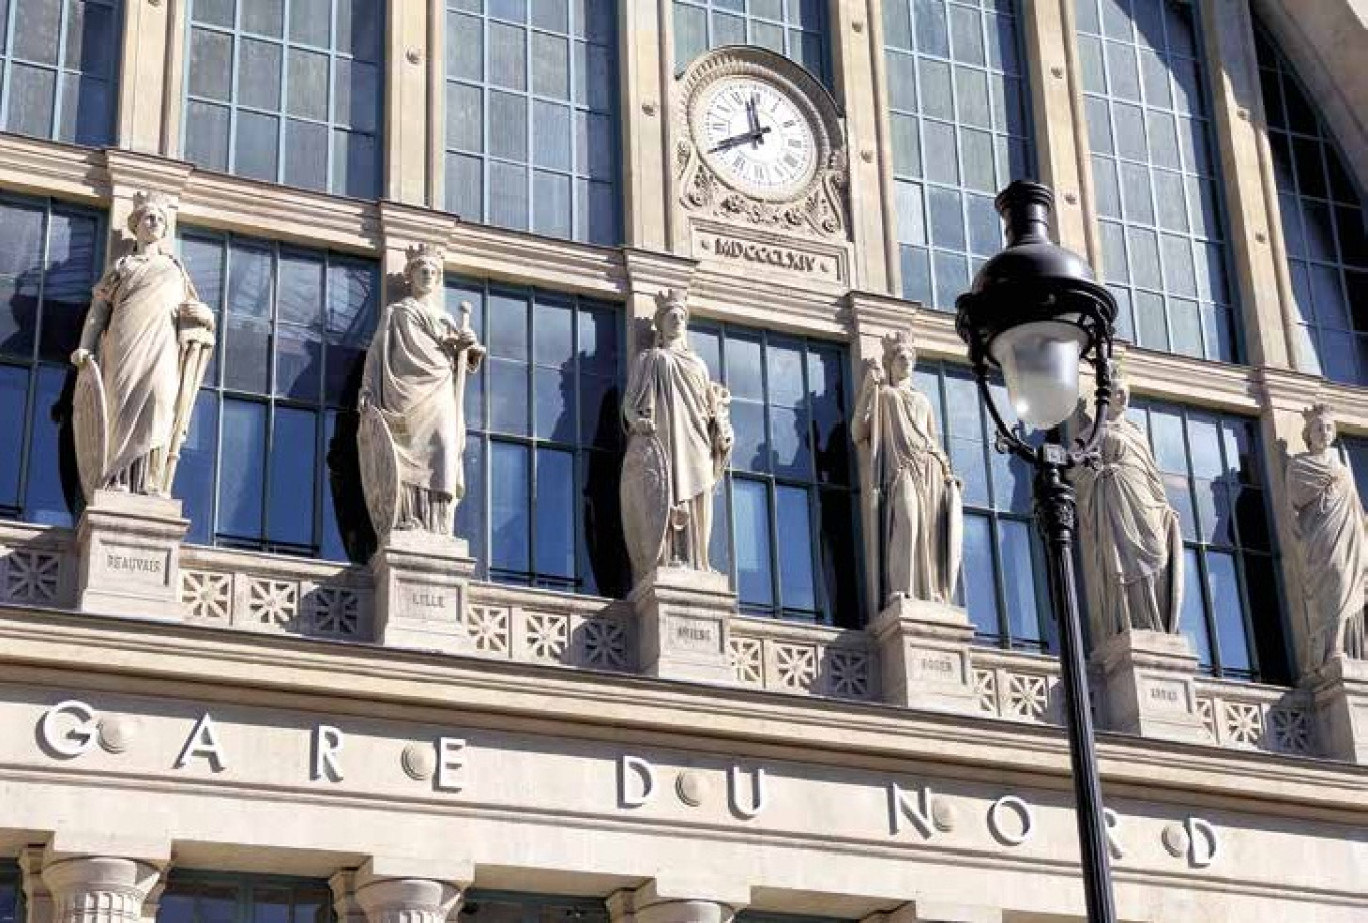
<point>1035,312</point>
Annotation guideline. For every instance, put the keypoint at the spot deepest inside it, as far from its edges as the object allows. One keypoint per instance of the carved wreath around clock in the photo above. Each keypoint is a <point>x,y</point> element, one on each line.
<point>760,142</point>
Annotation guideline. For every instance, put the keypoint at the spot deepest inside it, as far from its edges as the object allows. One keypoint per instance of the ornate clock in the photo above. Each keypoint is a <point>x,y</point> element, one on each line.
<point>760,157</point>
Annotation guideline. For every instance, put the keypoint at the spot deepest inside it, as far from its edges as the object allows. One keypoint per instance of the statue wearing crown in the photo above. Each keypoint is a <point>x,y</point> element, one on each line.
<point>1331,538</point>
<point>912,493</point>
<point>146,342</point>
<point>679,441</point>
<point>412,433</point>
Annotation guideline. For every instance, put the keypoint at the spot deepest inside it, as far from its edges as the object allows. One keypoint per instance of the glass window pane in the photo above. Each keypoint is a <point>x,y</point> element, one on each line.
<point>294,437</point>
<point>980,584</point>
<point>555,512</point>
<point>242,483</point>
<point>508,514</point>
<point>751,522</point>
<point>794,523</point>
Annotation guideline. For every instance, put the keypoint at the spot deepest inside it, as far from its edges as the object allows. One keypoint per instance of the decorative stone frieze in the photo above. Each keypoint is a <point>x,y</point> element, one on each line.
<point>99,889</point>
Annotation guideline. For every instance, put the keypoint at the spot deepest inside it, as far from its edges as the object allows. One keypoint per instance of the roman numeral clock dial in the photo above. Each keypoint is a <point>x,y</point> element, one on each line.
<point>755,137</point>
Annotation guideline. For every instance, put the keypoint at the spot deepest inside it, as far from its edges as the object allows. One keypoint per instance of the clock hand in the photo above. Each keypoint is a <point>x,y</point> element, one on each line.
<point>737,140</point>
<point>753,116</point>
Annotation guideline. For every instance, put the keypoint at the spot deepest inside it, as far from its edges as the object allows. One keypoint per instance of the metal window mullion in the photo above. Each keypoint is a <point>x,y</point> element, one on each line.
<point>332,120</point>
<point>282,102</point>
<point>63,22</point>
<point>814,499</point>
<point>270,396</point>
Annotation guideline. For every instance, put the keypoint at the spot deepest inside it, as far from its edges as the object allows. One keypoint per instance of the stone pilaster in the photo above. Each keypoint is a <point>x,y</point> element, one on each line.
<point>144,90</point>
<point>98,889</point>
<point>37,895</point>
<point>645,53</point>
<point>924,653</point>
<point>128,555</point>
<point>684,624</point>
<point>1339,693</point>
<point>1264,289</point>
<point>1057,105</point>
<point>1148,686</point>
<point>413,111</point>
<point>421,585</point>
<point>861,85</point>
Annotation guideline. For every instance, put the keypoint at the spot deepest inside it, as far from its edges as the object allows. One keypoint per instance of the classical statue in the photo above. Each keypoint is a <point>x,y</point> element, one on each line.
<point>912,492</point>
<point>412,433</point>
<point>679,440</point>
<point>1331,535</point>
<point>1132,543</point>
<point>144,348</point>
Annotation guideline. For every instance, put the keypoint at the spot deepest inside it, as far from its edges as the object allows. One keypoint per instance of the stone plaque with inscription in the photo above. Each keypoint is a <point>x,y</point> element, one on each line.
<point>924,648</point>
<point>684,624</point>
<point>1147,686</point>
<point>420,591</point>
<point>129,555</point>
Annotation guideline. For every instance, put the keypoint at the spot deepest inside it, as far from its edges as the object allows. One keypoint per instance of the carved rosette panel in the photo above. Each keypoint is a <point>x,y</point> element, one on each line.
<point>835,668</point>
<point>821,208</point>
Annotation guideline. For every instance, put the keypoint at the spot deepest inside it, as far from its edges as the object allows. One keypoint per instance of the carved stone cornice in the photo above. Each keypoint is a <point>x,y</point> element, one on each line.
<point>313,218</point>
<point>403,225</point>
<point>649,271</point>
<point>875,314</point>
<point>130,172</point>
<point>1286,390</point>
<point>49,168</point>
<point>565,265</point>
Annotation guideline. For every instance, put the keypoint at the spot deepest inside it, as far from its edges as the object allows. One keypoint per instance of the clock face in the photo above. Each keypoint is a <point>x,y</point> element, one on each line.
<point>755,136</point>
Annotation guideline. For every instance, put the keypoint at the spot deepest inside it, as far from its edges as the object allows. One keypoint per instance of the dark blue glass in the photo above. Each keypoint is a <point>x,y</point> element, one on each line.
<point>797,587</point>
<point>22,231</point>
<point>980,583</point>
<point>294,449</point>
<point>50,488</point>
<point>471,513</point>
<point>74,250</point>
<point>750,451</point>
<point>1193,622</point>
<point>195,471</point>
<point>554,396</point>
<point>745,365</point>
<point>13,411</point>
<point>508,507</point>
<point>1020,579</point>
<point>555,515</point>
<point>508,404</point>
<point>1228,613</point>
<point>242,482</point>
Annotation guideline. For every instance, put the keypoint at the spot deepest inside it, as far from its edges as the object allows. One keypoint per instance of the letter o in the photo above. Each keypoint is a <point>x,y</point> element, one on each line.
<point>73,741</point>
<point>1024,815</point>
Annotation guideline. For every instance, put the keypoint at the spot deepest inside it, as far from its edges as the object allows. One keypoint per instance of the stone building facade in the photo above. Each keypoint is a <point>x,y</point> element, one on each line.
<point>237,704</point>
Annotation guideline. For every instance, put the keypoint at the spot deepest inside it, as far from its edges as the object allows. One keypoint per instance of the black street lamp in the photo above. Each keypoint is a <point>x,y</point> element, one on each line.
<point>1034,312</point>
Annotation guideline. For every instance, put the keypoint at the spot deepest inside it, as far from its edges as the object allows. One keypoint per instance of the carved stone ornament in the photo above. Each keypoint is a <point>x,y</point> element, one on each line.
<point>1131,538</point>
<point>143,352</point>
<point>680,438</point>
<point>412,432</point>
<point>1331,538</point>
<point>910,487</point>
<point>799,183</point>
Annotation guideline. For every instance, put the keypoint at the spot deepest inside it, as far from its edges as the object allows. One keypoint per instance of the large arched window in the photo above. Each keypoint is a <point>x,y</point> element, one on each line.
<point>1156,175</point>
<point>959,133</point>
<point>531,117</point>
<point>59,68</point>
<point>287,92</point>
<point>796,29</point>
<point>51,255</point>
<point>1323,225</point>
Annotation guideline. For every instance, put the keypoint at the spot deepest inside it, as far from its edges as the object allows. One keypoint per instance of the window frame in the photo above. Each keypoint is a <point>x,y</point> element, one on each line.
<point>787,24</point>
<point>332,124</point>
<point>62,72</point>
<point>246,884</point>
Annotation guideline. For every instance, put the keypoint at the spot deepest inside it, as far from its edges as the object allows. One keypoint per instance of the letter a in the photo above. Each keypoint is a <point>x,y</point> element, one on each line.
<point>203,742</point>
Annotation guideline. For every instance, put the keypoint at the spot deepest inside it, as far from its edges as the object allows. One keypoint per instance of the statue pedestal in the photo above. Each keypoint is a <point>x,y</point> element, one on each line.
<point>421,582</point>
<point>684,624</point>
<point>128,549</point>
<point>1339,690</point>
<point>924,649</point>
<point>1147,686</point>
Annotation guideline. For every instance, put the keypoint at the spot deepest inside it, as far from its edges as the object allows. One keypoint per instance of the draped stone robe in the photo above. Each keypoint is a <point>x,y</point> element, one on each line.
<point>668,477</point>
<point>1329,527</point>
<point>919,504</point>
<point>1131,537</point>
<point>410,375</point>
<point>139,356</point>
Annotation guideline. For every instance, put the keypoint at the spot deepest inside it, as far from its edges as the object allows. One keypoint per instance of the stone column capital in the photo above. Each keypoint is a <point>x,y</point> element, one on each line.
<point>99,889</point>
<point>939,911</point>
<point>407,900</point>
<point>664,900</point>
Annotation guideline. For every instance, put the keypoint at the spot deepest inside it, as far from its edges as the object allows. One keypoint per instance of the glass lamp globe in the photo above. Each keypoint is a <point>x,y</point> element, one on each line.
<point>1040,364</point>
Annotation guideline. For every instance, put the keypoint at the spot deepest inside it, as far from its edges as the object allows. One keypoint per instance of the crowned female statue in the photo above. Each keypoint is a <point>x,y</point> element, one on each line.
<point>143,350</point>
<point>679,440</point>
<point>1131,538</point>
<point>913,493</point>
<point>1328,525</point>
<point>412,433</point>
